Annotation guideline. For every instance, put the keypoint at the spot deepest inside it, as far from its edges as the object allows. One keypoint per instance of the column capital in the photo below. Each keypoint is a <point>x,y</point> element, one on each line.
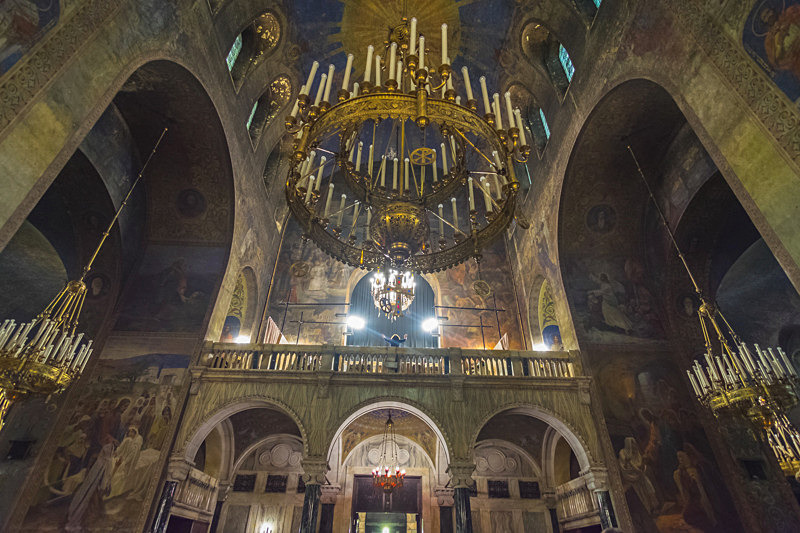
<point>461,473</point>
<point>596,478</point>
<point>330,493</point>
<point>314,470</point>
<point>444,496</point>
<point>178,468</point>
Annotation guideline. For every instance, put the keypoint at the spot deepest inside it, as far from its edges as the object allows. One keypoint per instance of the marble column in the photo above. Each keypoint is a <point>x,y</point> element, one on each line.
<point>164,507</point>
<point>315,469</point>
<point>597,482</point>
<point>444,497</point>
<point>328,495</point>
<point>461,479</point>
<point>222,495</point>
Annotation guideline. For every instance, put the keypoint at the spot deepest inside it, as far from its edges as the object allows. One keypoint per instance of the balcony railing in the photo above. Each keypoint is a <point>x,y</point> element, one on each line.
<point>576,505</point>
<point>387,360</point>
<point>197,493</point>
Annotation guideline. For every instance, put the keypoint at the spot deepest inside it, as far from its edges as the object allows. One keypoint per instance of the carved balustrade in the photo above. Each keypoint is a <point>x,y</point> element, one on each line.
<point>196,496</point>
<point>576,504</point>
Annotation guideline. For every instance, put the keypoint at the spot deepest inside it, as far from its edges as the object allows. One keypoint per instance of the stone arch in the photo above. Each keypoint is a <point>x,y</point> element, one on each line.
<point>573,437</point>
<point>254,446</point>
<point>334,431</point>
<point>219,448</point>
<point>201,429</point>
<point>400,439</point>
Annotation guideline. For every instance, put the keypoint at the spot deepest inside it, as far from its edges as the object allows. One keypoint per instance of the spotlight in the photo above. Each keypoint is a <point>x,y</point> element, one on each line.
<point>430,324</point>
<point>242,339</point>
<point>355,322</point>
<point>540,347</point>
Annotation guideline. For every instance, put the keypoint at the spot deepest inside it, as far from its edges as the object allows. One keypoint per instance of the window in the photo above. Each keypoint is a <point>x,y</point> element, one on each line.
<point>233,54</point>
<point>498,489</point>
<point>276,483</point>
<point>252,114</point>
<point>544,124</point>
<point>244,483</point>
<point>566,62</point>
<point>529,490</point>
<point>597,3</point>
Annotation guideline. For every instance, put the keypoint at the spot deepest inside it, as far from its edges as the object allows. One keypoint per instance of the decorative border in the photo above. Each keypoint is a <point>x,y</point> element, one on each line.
<point>776,112</point>
<point>38,67</point>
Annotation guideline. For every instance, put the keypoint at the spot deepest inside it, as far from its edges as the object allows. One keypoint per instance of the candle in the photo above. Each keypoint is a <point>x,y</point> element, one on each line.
<point>368,68</point>
<point>369,219</point>
<point>435,172</point>
<point>370,162</point>
<point>296,105</point>
<point>320,89</point>
<point>487,197</point>
<point>347,69</point>
<point>382,171</point>
<point>421,51</point>
<point>395,162</point>
<point>498,118</point>
<point>498,187</point>
<point>422,179</point>
<point>518,116</point>
<point>309,189</point>
<point>453,148</point>
<point>455,212</point>
<point>328,200</point>
<point>342,201</point>
<point>509,110</point>
<point>694,384</point>
<point>445,59</point>
<point>406,175</point>
<point>497,162</point>
<point>310,80</point>
<point>398,73</point>
<point>444,160</point>
<point>377,70</point>
<point>358,156</point>
<point>392,59</point>
<point>450,79</point>
<point>471,195</point>
<point>321,169</point>
<point>328,82</point>
<point>486,107</point>
<point>412,40</point>
<point>467,84</point>
<point>355,214</point>
<point>355,89</point>
<point>458,100</point>
<point>441,221</point>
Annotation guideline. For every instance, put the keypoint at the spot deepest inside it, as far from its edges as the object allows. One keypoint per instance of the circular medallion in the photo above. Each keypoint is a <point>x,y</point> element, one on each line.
<point>423,156</point>
<point>280,454</point>
<point>300,269</point>
<point>481,288</point>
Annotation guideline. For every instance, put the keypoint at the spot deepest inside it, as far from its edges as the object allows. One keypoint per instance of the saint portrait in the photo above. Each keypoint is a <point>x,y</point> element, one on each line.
<point>772,38</point>
<point>97,286</point>
<point>601,218</point>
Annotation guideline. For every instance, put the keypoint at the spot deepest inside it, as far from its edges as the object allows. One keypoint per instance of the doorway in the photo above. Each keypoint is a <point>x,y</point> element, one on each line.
<point>377,512</point>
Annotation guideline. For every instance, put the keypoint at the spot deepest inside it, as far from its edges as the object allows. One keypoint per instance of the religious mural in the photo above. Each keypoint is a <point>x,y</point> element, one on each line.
<point>107,458</point>
<point>666,464</point>
<point>772,38</point>
<point>172,289</point>
<point>23,23</point>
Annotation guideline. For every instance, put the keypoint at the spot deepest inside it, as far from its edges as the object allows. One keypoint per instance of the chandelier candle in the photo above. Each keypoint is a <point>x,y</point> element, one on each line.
<point>485,93</point>
<point>320,89</point>
<point>347,69</point>
<point>322,161</point>
<point>358,156</point>
<point>307,87</point>
<point>328,201</point>
<point>370,51</point>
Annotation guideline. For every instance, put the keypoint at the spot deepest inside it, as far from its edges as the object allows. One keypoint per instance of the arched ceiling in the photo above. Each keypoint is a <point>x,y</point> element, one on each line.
<point>374,422</point>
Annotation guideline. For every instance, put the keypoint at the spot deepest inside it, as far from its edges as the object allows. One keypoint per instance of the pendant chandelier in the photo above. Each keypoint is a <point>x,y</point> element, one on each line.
<point>392,294</point>
<point>733,381</point>
<point>42,357</point>
<point>386,174</point>
<point>388,475</point>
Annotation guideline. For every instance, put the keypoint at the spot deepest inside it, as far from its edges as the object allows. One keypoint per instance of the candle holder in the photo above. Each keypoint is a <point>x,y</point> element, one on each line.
<point>450,95</point>
<point>489,118</point>
<point>291,124</point>
<point>391,85</point>
<point>343,95</point>
<point>323,107</point>
<point>472,104</point>
<point>411,63</point>
<point>302,101</point>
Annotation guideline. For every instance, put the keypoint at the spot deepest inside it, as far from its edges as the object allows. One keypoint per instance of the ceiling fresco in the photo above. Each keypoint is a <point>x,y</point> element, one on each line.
<point>374,422</point>
<point>327,31</point>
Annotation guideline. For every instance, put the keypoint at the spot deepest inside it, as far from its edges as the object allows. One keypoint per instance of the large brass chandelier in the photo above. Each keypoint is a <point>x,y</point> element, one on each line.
<point>42,357</point>
<point>385,175</point>
<point>388,475</point>
<point>733,381</point>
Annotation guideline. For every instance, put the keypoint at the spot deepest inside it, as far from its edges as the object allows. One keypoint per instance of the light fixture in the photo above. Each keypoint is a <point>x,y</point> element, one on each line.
<point>406,159</point>
<point>355,322</point>
<point>242,339</point>
<point>392,293</point>
<point>43,356</point>
<point>757,386</point>
<point>388,475</point>
<point>430,324</point>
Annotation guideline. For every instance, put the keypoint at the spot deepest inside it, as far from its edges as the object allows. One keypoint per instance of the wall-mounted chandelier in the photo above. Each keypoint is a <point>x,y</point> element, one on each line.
<point>42,357</point>
<point>392,293</point>
<point>732,381</point>
<point>386,174</point>
<point>388,475</point>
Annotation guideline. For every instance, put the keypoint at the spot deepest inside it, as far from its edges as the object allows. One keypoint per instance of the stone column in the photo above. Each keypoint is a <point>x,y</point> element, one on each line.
<point>328,495</point>
<point>177,471</point>
<point>597,482</point>
<point>444,497</point>
<point>549,499</point>
<point>461,478</point>
<point>222,495</point>
<point>315,469</point>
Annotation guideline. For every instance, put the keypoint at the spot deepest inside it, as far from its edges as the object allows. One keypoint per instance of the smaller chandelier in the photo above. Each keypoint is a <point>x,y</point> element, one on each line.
<point>388,476</point>
<point>393,294</point>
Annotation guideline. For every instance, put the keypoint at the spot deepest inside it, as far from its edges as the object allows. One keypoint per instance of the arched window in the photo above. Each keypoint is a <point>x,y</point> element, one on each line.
<point>597,3</point>
<point>377,326</point>
<point>566,62</point>
<point>267,107</point>
<point>539,127</point>
<point>545,127</point>
<point>254,43</point>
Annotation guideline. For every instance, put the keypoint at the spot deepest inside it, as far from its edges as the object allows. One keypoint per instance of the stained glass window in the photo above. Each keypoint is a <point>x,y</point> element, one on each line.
<point>597,3</point>
<point>544,123</point>
<point>234,52</point>
<point>566,62</point>
<point>252,114</point>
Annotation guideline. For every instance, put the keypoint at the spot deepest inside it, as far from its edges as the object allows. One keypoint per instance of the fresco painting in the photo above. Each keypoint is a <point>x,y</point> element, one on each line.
<point>667,469</point>
<point>108,456</point>
<point>23,23</point>
<point>771,36</point>
<point>172,289</point>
